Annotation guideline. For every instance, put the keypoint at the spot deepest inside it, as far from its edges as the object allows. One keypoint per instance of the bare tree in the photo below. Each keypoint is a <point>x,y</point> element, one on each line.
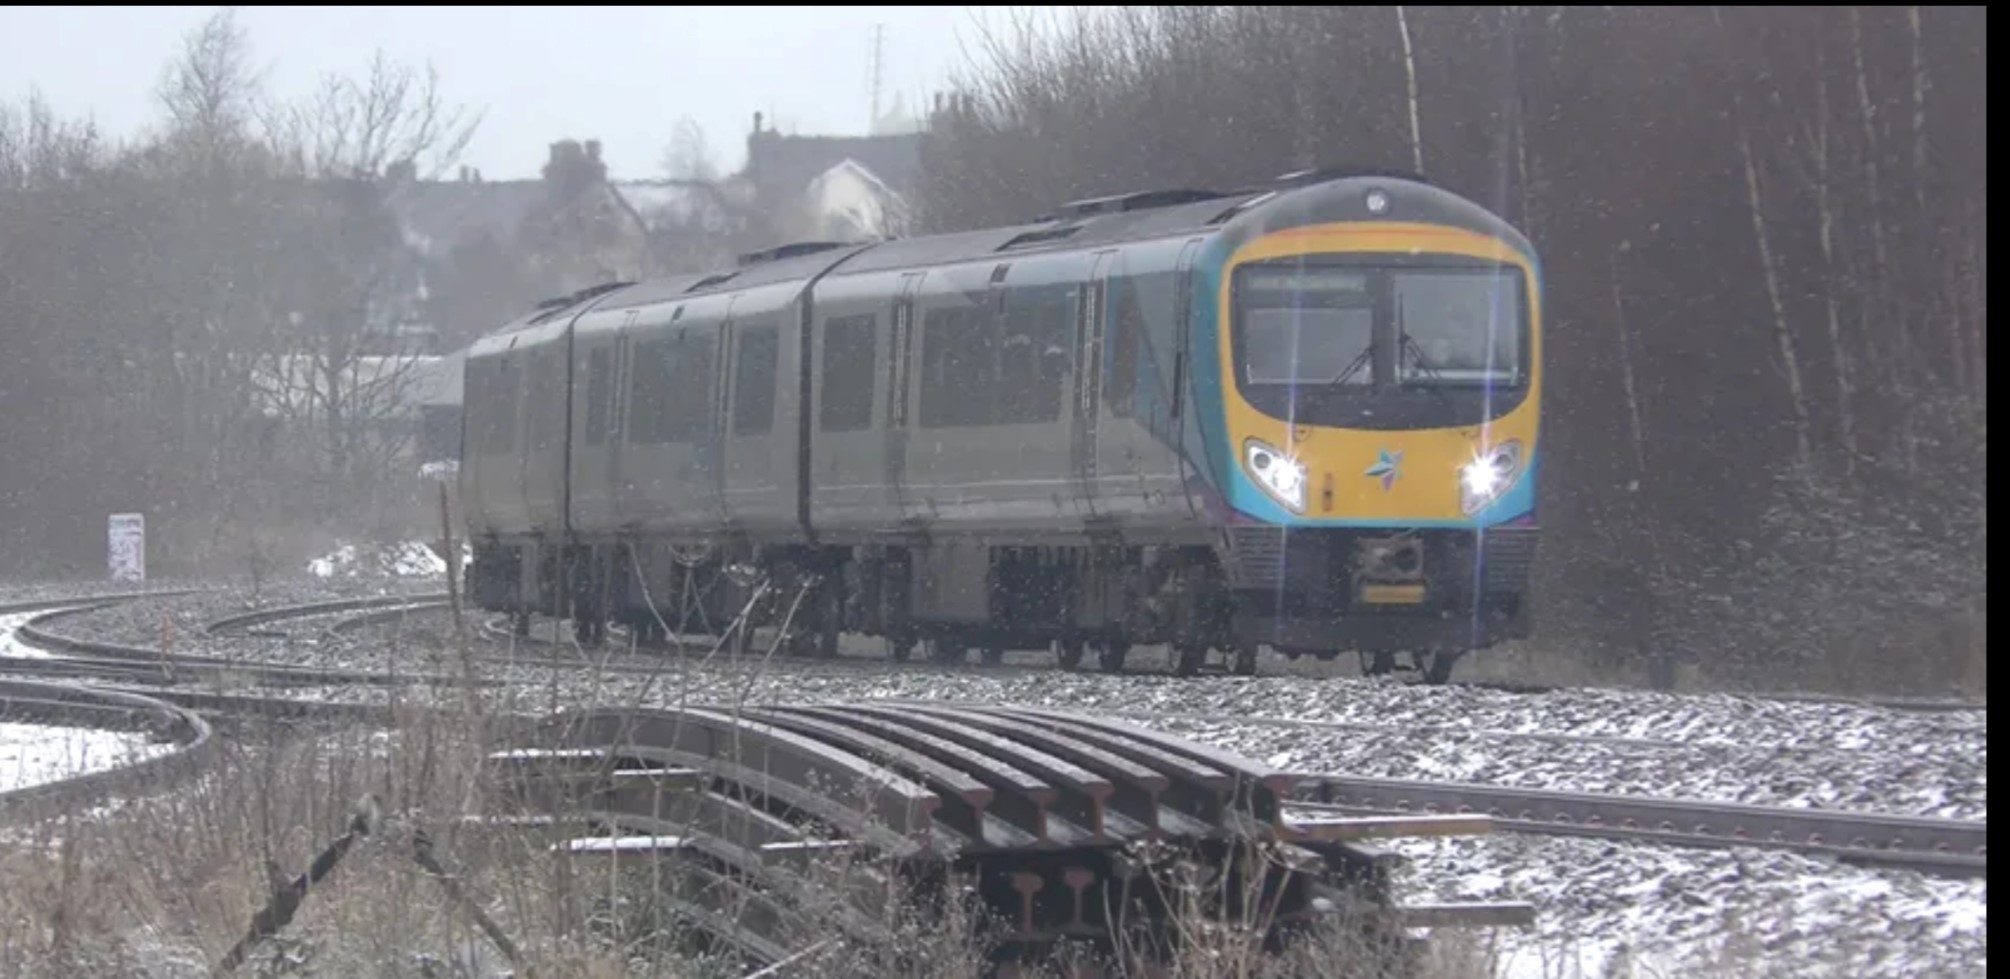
<point>393,117</point>
<point>348,368</point>
<point>688,157</point>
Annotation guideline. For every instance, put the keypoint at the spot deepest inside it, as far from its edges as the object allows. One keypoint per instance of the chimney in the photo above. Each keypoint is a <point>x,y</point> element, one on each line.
<point>757,122</point>
<point>593,150</point>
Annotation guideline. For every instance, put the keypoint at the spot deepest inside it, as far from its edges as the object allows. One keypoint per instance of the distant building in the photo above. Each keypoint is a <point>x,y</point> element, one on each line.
<point>833,187</point>
<point>410,402</point>
<point>482,251</point>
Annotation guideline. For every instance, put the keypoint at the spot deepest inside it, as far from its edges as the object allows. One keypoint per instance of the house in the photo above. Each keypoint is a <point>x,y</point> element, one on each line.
<point>483,251</point>
<point>833,187</point>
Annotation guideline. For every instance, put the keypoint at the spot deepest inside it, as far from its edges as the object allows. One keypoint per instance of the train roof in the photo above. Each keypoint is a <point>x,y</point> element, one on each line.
<point>790,263</point>
<point>1294,200</point>
<point>1309,197</point>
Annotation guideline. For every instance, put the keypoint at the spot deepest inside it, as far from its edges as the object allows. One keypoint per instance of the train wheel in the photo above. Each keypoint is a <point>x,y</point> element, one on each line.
<point>947,651</point>
<point>899,648</point>
<point>1378,663</point>
<point>1245,660</point>
<point>1187,658</point>
<point>1068,653</point>
<point>993,655</point>
<point>1437,666</point>
<point>1110,655</point>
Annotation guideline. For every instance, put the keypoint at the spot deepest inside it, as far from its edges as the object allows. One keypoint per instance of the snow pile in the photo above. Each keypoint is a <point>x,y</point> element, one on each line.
<point>409,559</point>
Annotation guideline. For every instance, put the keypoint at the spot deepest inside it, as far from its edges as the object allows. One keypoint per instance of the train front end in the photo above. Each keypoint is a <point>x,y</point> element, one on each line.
<point>1379,380</point>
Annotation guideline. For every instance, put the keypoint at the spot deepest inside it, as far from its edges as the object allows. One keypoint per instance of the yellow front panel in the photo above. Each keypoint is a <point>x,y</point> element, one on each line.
<point>1338,461</point>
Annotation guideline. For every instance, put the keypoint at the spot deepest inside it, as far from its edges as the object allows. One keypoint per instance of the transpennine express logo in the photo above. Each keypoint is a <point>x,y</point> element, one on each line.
<point>1389,466</point>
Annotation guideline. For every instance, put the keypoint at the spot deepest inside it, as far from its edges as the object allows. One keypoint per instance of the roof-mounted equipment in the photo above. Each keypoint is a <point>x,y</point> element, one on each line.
<point>1320,175</point>
<point>792,250</point>
<point>1135,201</point>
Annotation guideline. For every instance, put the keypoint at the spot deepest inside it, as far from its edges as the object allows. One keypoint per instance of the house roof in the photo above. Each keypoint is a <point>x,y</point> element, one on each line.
<point>788,164</point>
<point>436,214</point>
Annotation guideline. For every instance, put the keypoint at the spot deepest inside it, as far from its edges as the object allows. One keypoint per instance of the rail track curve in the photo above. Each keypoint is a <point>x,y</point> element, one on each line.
<point>66,705</point>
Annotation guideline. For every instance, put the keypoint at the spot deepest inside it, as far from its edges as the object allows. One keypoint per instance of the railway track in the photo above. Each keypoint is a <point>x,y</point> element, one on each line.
<point>64,705</point>
<point>1074,831</point>
<point>1949,847</point>
<point>1920,705</point>
<point>1957,846</point>
<point>1077,831</point>
<point>378,609</point>
<point>86,658</point>
<point>638,659</point>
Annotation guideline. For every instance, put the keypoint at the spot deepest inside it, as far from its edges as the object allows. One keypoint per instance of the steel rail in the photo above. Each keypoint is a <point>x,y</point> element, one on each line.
<point>1074,828</point>
<point>243,621</point>
<point>66,705</point>
<point>177,667</point>
<point>1944,846</point>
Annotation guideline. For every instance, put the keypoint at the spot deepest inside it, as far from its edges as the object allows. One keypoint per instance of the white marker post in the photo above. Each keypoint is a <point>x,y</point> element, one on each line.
<point>126,551</point>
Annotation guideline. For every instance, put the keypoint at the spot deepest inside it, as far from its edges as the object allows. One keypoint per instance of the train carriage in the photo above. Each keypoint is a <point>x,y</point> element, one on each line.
<point>1301,416</point>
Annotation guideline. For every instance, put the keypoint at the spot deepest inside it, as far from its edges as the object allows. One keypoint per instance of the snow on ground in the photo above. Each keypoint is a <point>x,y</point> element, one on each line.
<point>9,647</point>
<point>1670,911</point>
<point>1931,765</point>
<point>1714,747</point>
<point>31,754</point>
<point>1604,909</point>
<point>408,559</point>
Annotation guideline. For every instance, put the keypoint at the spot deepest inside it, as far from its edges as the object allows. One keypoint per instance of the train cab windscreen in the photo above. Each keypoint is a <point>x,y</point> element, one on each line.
<point>1301,326</point>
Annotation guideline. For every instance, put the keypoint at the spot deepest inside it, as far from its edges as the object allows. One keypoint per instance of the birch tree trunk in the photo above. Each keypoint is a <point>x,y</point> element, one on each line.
<point>1825,211</point>
<point>1755,201</point>
<point>1410,76</point>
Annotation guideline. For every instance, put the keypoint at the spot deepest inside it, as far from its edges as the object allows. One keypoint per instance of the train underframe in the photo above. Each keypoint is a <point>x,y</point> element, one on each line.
<point>1431,594</point>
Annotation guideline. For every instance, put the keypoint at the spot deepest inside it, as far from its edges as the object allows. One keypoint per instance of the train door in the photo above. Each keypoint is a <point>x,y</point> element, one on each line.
<point>1136,460</point>
<point>748,487</point>
<point>852,368</point>
<point>1092,316</point>
<point>594,430</point>
<point>711,448</point>
<point>543,455</point>
<point>620,478</point>
<point>900,401</point>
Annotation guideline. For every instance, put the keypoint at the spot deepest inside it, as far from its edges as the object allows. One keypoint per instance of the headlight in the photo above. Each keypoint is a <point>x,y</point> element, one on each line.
<point>1280,475</point>
<point>1484,479</point>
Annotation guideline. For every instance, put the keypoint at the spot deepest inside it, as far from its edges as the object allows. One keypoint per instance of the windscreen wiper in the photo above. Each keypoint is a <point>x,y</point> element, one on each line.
<point>1367,354</point>
<point>1423,361</point>
<point>1407,344</point>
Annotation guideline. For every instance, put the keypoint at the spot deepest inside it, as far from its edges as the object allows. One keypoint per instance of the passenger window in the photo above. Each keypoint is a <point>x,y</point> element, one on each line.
<point>956,368</point>
<point>1033,362</point>
<point>849,355</point>
<point>754,379</point>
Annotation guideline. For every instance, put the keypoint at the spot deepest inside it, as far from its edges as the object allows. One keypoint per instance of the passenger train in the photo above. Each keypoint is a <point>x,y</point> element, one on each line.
<point>1301,416</point>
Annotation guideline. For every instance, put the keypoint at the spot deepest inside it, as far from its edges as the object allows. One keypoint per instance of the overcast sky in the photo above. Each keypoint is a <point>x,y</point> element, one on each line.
<point>620,75</point>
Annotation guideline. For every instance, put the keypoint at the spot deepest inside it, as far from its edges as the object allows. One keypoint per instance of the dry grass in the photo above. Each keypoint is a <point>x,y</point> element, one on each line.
<point>166,885</point>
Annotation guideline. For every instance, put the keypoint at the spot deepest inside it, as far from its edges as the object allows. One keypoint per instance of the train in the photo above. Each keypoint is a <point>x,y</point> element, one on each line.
<point>1300,416</point>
